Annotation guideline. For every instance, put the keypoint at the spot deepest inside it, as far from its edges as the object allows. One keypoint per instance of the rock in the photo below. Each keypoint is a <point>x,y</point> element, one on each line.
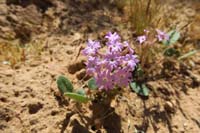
<point>31,15</point>
<point>194,76</point>
<point>169,107</point>
<point>8,73</point>
<point>35,63</point>
<point>3,21</point>
<point>24,22</point>
<point>7,33</point>
<point>50,13</point>
<point>43,82</point>
<point>3,9</point>
<point>13,18</point>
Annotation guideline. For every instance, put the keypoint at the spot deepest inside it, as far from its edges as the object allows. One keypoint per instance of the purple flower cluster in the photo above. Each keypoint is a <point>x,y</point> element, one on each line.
<point>112,68</point>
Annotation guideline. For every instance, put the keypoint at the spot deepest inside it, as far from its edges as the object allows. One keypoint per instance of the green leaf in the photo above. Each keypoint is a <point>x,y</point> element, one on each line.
<point>145,90</point>
<point>64,85</point>
<point>171,52</point>
<point>135,87</point>
<point>140,89</point>
<point>92,84</point>
<point>81,92</point>
<point>173,37</point>
<point>77,97</point>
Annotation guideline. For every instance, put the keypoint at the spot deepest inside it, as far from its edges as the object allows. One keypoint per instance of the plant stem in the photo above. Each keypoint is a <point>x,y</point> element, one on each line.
<point>188,54</point>
<point>148,7</point>
<point>148,16</point>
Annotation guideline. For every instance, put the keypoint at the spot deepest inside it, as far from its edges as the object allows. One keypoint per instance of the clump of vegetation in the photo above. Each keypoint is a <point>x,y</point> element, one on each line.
<point>110,68</point>
<point>13,52</point>
<point>114,65</point>
<point>141,13</point>
<point>152,53</point>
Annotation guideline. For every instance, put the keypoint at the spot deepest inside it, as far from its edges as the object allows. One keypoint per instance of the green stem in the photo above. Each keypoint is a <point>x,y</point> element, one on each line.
<point>188,54</point>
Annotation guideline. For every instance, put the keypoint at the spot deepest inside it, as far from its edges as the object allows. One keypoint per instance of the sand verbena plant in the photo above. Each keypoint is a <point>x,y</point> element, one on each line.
<point>110,65</point>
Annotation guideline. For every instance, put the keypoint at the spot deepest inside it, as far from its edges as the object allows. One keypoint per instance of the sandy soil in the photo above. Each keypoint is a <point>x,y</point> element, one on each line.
<point>29,98</point>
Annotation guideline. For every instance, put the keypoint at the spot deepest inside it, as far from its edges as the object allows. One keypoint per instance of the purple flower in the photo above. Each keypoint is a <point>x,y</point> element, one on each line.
<point>161,35</point>
<point>92,48</point>
<point>93,44</point>
<point>131,61</point>
<point>142,38</point>
<point>111,61</point>
<point>112,38</point>
<point>126,45</point>
<point>116,47</point>
<point>104,80</point>
<point>122,77</point>
<point>92,66</point>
